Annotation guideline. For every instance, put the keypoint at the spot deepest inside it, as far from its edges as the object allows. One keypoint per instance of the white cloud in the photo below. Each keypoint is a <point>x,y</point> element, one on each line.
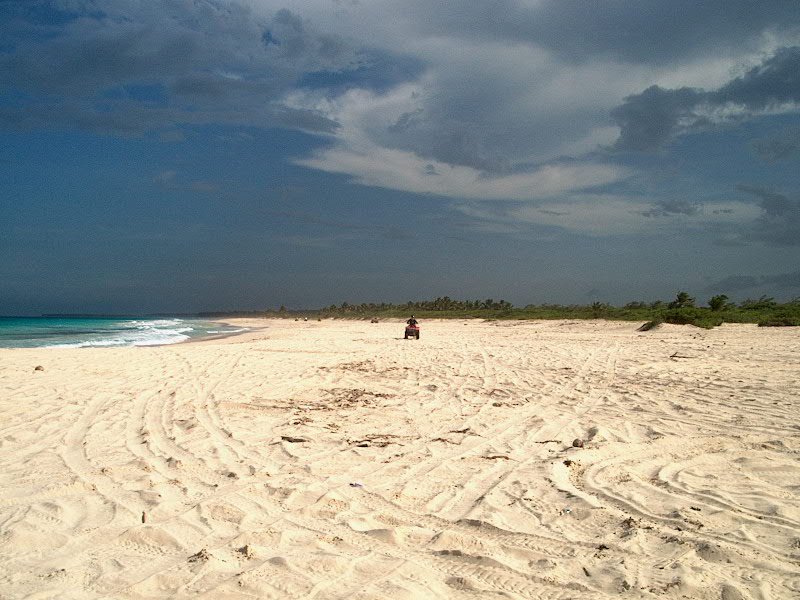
<point>591,215</point>
<point>607,214</point>
<point>361,149</point>
<point>401,170</point>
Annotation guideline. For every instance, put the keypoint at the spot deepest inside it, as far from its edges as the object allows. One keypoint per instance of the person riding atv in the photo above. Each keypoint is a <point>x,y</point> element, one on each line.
<point>412,328</point>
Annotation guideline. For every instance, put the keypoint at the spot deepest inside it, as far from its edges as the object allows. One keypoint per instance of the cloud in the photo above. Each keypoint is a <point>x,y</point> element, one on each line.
<point>666,208</point>
<point>604,214</point>
<point>497,98</point>
<point>765,217</point>
<point>774,82</point>
<point>780,147</point>
<point>506,99</point>
<point>783,280</point>
<point>491,106</point>
<point>651,119</point>
<point>400,170</point>
<point>772,203</point>
<point>779,221</point>
<point>206,61</point>
<point>405,140</point>
<point>594,215</point>
<point>628,31</point>
<point>737,283</point>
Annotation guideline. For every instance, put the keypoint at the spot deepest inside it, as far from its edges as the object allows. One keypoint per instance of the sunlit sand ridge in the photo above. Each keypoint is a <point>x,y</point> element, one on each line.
<point>335,460</point>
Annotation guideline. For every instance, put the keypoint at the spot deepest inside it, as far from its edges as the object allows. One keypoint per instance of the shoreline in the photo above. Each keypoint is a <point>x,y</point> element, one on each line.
<point>253,326</point>
<point>107,343</point>
<point>217,336</point>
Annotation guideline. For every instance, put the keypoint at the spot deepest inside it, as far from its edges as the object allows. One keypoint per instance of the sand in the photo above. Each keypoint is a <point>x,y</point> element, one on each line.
<point>336,460</point>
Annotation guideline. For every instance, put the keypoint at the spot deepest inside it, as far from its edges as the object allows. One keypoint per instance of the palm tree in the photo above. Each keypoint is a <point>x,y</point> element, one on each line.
<point>682,300</point>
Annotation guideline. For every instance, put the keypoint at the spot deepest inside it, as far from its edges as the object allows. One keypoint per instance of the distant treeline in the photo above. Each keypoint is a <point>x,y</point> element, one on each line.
<point>764,311</point>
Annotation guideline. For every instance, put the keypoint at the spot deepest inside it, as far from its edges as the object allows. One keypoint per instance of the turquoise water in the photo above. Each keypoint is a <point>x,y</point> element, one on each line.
<point>86,332</point>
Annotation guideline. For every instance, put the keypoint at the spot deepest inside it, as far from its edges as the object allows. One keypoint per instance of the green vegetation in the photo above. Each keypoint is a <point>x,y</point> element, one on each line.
<point>718,303</point>
<point>682,300</point>
<point>765,311</point>
<point>780,321</point>
<point>699,317</point>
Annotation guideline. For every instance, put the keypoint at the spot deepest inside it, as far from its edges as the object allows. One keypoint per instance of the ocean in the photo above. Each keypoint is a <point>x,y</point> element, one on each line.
<point>93,332</point>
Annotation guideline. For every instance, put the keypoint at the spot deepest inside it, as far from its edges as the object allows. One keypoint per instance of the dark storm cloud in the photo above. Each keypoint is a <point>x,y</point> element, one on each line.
<point>779,223</point>
<point>209,60</point>
<point>511,81</point>
<point>734,283</point>
<point>772,203</point>
<point>780,147</point>
<point>635,31</point>
<point>649,120</point>
<point>666,208</point>
<point>295,42</point>
<point>375,70</point>
<point>784,280</point>
<point>231,62</point>
<point>92,56</point>
<point>737,283</point>
<point>775,81</point>
<point>475,117</point>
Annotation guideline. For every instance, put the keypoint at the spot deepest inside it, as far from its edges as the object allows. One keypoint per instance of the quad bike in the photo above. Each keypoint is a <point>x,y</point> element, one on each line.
<point>411,330</point>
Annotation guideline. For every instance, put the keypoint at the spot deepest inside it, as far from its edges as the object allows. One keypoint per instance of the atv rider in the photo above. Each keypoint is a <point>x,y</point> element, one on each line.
<point>412,322</point>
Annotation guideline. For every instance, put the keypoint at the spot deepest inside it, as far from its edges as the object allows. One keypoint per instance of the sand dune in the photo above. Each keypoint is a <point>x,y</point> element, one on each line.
<point>336,460</point>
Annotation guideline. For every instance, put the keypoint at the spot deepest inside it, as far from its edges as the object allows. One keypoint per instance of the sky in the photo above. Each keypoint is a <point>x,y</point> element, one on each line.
<point>193,155</point>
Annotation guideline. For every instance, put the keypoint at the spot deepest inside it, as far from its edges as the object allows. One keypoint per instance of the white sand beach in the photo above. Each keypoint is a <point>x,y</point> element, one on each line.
<point>334,459</point>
